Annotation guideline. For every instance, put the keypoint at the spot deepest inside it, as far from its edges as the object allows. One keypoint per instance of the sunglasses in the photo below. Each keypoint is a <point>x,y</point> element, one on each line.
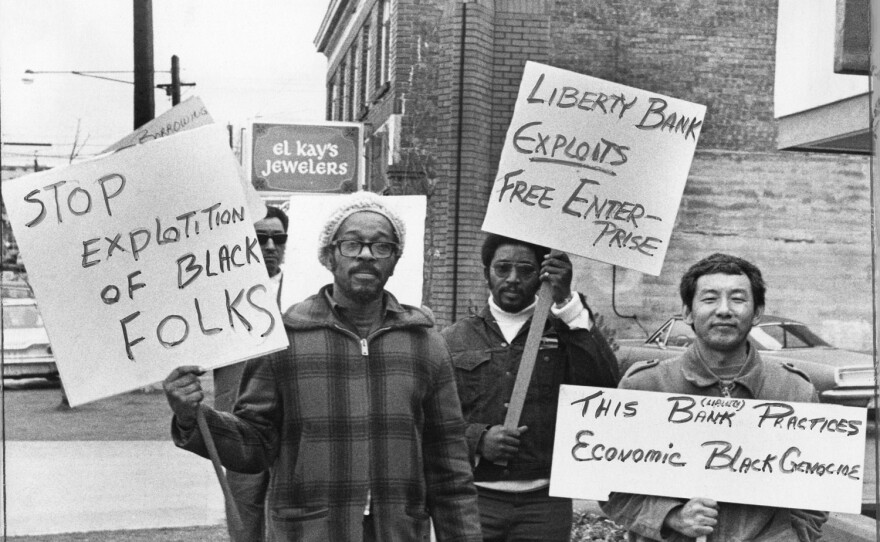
<point>524,271</point>
<point>277,238</point>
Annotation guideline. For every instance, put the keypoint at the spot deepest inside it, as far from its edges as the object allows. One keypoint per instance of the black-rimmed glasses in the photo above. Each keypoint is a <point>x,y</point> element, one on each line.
<point>352,249</point>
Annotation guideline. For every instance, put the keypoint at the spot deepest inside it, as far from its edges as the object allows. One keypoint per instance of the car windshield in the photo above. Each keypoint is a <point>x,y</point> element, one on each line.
<point>21,316</point>
<point>785,336</point>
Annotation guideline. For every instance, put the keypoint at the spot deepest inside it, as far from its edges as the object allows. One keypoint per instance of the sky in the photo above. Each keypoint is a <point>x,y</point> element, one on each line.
<point>249,60</point>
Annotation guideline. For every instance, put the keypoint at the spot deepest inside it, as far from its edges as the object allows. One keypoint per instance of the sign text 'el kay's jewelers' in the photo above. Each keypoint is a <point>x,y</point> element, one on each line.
<point>145,260</point>
<point>800,455</point>
<point>306,157</point>
<point>602,162</point>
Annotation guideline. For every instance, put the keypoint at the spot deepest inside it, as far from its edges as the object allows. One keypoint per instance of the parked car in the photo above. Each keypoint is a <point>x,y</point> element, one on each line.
<point>26,349</point>
<point>840,376</point>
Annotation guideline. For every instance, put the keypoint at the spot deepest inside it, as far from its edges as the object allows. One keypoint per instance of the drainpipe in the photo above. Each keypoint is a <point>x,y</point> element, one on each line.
<point>459,135</point>
<point>874,85</point>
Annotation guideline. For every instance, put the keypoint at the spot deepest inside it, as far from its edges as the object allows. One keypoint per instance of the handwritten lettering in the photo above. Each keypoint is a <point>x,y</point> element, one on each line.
<point>567,97</point>
<point>656,118</point>
<point>783,416</point>
<point>584,451</point>
<point>172,330</point>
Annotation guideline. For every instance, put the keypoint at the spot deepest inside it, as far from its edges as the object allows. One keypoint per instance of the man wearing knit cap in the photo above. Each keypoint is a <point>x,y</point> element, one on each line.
<point>358,420</point>
<point>512,466</point>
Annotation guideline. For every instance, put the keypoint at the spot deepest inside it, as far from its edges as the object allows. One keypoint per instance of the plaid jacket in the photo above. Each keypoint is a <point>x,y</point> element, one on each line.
<point>340,420</point>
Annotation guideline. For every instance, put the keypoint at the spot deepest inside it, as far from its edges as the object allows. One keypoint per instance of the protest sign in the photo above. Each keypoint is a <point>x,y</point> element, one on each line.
<point>304,275</point>
<point>306,157</point>
<point>593,168</point>
<point>187,115</point>
<point>800,455</point>
<point>145,260</point>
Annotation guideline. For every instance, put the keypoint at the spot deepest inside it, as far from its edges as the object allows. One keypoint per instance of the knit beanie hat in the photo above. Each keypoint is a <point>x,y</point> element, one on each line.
<point>354,203</point>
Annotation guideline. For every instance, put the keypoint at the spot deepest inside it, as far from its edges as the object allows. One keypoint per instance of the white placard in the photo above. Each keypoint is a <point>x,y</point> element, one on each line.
<point>187,115</point>
<point>304,275</point>
<point>593,168</point>
<point>145,260</point>
<point>762,452</point>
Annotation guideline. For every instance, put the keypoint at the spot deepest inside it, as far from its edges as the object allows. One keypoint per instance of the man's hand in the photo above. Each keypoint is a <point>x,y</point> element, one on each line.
<point>501,444</point>
<point>556,269</point>
<point>184,393</point>
<point>696,518</point>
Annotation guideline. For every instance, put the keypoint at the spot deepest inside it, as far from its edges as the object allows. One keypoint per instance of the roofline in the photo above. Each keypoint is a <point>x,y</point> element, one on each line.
<point>331,17</point>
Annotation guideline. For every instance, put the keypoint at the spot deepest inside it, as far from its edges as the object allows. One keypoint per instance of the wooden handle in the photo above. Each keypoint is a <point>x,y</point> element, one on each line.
<point>218,468</point>
<point>527,363</point>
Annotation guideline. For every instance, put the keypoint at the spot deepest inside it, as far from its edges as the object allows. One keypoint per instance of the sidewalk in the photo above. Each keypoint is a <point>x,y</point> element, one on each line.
<point>76,486</point>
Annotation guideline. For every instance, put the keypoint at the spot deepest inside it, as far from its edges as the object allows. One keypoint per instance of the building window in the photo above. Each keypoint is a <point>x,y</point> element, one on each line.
<point>343,91</point>
<point>364,66</point>
<point>383,43</point>
<point>332,103</point>
<point>352,83</point>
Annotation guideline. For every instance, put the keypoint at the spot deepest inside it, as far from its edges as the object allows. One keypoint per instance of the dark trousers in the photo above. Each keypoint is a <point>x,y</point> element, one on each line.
<point>532,516</point>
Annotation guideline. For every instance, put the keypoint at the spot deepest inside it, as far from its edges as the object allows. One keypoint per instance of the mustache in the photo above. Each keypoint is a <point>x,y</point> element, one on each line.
<point>364,268</point>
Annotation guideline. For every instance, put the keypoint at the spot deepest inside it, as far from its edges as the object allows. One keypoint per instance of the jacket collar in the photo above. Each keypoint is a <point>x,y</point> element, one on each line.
<point>700,375</point>
<point>320,310</point>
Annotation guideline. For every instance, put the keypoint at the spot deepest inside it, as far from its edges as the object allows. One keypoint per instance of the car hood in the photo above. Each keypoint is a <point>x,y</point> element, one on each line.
<point>23,338</point>
<point>832,357</point>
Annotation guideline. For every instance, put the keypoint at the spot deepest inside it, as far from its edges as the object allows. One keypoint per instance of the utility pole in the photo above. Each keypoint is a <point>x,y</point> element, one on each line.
<point>175,80</point>
<point>144,101</point>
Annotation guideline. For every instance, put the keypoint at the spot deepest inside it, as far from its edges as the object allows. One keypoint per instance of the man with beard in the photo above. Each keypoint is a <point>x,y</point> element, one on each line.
<point>358,420</point>
<point>512,466</point>
<point>249,490</point>
<point>722,299</point>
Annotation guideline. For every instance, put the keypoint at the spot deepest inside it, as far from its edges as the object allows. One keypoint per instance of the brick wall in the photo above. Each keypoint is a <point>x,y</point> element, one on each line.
<point>803,218</point>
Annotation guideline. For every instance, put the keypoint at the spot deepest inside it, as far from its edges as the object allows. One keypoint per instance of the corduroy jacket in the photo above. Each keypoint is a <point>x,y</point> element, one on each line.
<point>342,421</point>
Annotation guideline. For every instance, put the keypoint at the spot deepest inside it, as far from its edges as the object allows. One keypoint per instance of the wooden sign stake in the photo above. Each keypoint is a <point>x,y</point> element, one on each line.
<point>527,364</point>
<point>218,468</point>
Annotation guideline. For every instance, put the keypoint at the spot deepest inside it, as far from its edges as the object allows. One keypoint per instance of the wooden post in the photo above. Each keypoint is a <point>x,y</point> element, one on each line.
<point>527,363</point>
<point>218,468</point>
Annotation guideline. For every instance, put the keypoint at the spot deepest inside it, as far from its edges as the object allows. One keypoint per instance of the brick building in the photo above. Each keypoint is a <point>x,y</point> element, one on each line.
<point>435,81</point>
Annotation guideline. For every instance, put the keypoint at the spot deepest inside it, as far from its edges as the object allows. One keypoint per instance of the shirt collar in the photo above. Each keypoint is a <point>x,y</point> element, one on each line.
<point>699,374</point>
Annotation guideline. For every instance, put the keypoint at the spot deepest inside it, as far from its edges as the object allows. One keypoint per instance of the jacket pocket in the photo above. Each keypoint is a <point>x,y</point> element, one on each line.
<point>474,375</point>
<point>468,360</point>
<point>302,524</point>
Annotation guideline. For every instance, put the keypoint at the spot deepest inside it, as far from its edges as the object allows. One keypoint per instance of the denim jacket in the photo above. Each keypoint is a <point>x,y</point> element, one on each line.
<point>485,372</point>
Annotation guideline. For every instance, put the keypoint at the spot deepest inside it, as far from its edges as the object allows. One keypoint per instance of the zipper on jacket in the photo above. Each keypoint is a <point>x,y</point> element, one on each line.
<point>365,351</point>
<point>725,388</point>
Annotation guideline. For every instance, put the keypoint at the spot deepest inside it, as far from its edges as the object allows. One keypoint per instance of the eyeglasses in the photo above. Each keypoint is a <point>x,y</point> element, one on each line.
<point>352,249</point>
<point>524,271</point>
<point>277,238</point>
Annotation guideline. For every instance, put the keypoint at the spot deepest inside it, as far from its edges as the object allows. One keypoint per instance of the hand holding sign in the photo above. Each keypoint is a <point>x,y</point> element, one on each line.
<point>143,258</point>
<point>602,162</point>
<point>696,518</point>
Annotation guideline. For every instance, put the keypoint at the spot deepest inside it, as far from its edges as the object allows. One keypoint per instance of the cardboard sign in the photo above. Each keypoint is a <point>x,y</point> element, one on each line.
<point>188,114</point>
<point>307,157</point>
<point>799,455</point>
<point>304,275</point>
<point>145,260</point>
<point>593,168</point>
